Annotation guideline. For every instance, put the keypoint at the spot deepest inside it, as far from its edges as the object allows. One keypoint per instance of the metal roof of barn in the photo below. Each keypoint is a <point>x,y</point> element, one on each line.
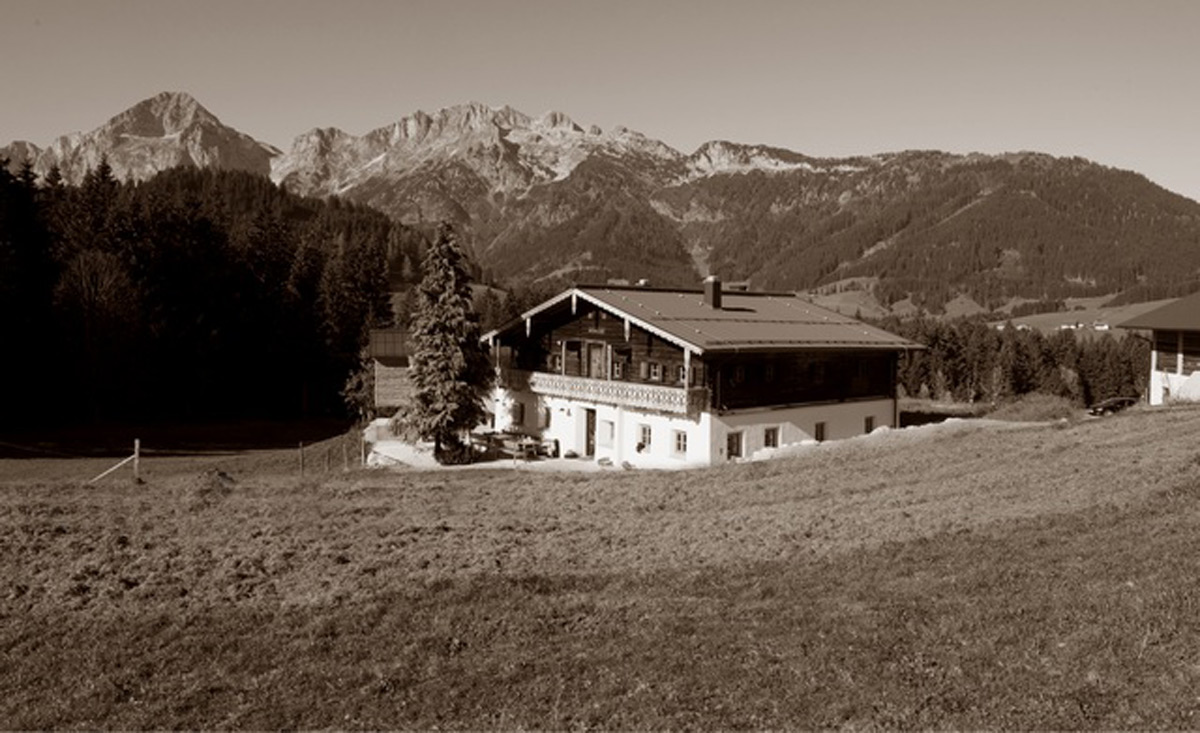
<point>1180,315</point>
<point>746,321</point>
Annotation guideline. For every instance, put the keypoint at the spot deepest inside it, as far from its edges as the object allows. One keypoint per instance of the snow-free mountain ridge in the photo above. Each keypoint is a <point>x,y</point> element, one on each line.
<point>545,197</point>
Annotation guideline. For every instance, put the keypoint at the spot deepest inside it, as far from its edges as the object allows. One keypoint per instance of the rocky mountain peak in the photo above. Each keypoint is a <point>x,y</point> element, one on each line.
<point>164,114</point>
<point>166,130</point>
<point>558,121</point>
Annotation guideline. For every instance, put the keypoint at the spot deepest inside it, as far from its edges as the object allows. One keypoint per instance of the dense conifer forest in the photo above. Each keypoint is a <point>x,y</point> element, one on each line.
<point>198,294</point>
<point>967,360</point>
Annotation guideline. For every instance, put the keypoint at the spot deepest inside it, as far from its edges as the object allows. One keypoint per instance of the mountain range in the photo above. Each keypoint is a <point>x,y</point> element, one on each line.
<point>543,198</point>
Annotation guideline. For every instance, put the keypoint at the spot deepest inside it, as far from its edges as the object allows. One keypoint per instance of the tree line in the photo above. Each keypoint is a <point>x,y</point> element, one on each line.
<point>970,361</point>
<point>197,294</point>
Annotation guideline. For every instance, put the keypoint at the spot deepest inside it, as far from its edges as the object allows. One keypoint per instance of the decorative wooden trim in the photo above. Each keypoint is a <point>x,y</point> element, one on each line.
<point>658,398</point>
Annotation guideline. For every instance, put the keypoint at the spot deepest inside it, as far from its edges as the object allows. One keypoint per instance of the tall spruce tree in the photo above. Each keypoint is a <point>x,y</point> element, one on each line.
<point>449,370</point>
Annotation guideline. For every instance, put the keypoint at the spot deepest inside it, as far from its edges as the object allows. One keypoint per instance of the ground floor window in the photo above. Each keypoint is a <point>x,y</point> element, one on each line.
<point>680,443</point>
<point>868,423</point>
<point>771,438</point>
<point>644,436</point>
<point>819,432</point>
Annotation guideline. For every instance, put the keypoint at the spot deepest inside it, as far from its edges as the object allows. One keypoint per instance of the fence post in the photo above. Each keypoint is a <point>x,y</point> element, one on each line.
<point>137,452</point>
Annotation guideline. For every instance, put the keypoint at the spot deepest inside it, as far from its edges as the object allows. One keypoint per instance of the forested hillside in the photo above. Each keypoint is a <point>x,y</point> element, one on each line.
<point>195,294</point>
<point>932,226</point>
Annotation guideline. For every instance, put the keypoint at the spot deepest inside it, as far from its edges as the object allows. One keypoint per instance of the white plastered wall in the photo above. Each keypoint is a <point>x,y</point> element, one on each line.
<point>706,433</point>
<point>798,424</point>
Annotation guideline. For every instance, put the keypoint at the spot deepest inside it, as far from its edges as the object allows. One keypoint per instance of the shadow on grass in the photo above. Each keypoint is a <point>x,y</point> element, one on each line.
<point>167,439</point>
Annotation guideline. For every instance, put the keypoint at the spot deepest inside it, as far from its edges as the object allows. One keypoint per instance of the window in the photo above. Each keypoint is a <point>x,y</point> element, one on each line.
<point>733,445</point>
<point>771,438</point>
<point>680,443</point>
<point>517,415</point>
<point>556,363</point>
<point>618,369</point>
<point>868,423</point>
<point>681,374</point>
<point>655,371</point>
<point>544,418</point>
<point>644,435</point>
<point>604,434</point>
<point>819,432</point>
<point>769,373</point>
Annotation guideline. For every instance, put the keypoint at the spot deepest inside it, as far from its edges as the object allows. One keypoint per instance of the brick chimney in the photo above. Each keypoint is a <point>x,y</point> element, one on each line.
<point>712,292</point>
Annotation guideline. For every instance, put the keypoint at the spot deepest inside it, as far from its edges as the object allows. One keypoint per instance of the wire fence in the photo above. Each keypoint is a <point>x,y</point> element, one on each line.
<point>340,454</point>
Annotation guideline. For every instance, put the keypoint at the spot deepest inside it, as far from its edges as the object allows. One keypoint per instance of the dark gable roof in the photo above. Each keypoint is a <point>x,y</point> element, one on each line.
<point>1180,315</point>
<point>747,321</point>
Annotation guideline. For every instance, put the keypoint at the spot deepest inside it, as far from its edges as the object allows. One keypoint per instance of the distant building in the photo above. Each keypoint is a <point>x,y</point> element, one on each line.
<point>1175,359</point>
<point>389,357</point>
<point>654,377</point>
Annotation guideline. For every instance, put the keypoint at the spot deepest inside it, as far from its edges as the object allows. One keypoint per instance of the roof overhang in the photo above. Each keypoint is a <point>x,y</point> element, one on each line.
<point>575,294</point>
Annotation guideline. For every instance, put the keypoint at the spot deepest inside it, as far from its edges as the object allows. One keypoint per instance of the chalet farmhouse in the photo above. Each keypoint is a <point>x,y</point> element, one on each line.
<point>1175,358</point>
<point>658,378</point>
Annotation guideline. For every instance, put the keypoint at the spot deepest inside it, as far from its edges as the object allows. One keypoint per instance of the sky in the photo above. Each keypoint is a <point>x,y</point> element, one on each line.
<point>1114,81</point>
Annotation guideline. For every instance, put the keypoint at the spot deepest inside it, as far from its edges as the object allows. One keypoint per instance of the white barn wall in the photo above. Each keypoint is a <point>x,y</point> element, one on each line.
<point>797,424</point>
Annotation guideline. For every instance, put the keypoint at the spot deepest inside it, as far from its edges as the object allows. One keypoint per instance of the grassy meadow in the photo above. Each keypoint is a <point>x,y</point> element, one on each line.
<point>974,574</point>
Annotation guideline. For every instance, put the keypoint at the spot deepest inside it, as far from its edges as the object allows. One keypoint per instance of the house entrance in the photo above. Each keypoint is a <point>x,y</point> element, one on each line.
<point>733,445</point>
<point>590,440</point>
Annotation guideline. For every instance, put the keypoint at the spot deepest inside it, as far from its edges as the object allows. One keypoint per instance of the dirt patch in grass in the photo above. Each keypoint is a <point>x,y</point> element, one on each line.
<point>968,575</point>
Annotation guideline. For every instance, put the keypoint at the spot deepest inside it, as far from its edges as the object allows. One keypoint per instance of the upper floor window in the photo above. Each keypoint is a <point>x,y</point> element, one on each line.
<point>655,371</point>
<point>618,369</point>
<point>681,374</point>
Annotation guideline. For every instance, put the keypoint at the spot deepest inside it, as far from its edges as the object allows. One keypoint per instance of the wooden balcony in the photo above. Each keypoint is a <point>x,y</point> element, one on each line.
<point>656,397</point>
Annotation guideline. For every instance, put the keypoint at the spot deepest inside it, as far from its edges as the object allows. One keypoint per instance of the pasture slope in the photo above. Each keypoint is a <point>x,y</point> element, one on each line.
<point>969,575</point>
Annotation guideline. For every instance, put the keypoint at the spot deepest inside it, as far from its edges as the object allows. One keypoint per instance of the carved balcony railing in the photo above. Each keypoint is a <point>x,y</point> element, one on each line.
<point>660,398</point>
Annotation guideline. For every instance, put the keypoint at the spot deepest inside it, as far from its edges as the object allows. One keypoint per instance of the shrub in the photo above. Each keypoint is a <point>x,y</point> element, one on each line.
<point>1035,407</point>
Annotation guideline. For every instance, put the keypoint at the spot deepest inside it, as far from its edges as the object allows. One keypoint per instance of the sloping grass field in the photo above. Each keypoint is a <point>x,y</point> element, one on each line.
<point>974,574</point>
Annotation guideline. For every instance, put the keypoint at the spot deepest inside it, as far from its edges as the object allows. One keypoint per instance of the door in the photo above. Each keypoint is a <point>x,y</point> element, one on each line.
<point>733,445</point>
<point>590,416</point>
<point>596,362</point>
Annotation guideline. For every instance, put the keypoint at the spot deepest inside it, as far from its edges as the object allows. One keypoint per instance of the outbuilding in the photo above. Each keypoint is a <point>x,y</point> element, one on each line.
<point>1175,358</point>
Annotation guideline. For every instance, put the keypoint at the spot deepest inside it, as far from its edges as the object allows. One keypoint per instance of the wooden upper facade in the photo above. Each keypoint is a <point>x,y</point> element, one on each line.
<point>685,351</point>
<point>1176,329</point>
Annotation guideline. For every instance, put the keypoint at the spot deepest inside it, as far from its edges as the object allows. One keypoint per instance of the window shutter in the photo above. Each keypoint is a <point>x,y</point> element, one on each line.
<point>644,370</point>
